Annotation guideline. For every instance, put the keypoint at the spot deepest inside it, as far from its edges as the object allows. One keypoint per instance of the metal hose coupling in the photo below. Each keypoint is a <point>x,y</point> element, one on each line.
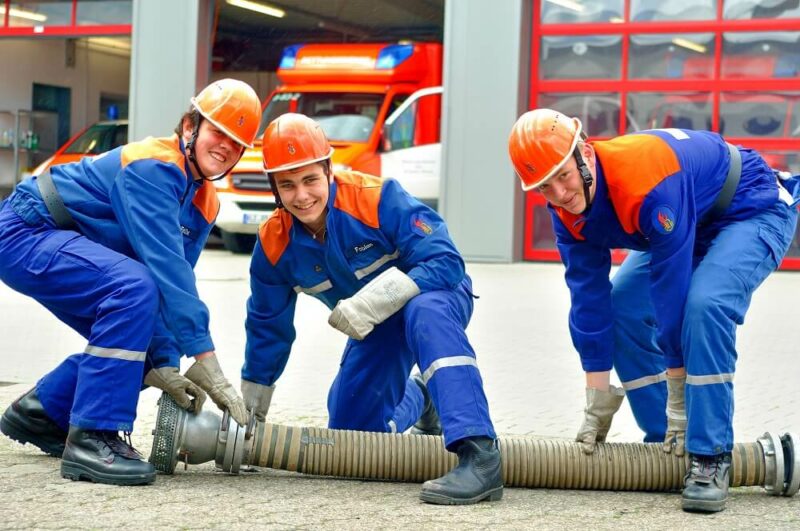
<point>772,462</point>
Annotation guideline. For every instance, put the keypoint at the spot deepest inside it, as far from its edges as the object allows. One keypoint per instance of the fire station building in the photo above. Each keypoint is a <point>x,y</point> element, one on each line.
<point>731,66</point>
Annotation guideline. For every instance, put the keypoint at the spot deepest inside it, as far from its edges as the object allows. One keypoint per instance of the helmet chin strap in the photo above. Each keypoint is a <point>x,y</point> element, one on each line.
<point>274,188</point>
<point>586,177</point>
<point>193,159</point>
<point>190,145</point>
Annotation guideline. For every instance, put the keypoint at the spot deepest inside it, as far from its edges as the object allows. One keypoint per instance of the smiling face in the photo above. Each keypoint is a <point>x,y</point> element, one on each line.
<point>304,192</point>
<point>216,152</point>
<point>565,188</point>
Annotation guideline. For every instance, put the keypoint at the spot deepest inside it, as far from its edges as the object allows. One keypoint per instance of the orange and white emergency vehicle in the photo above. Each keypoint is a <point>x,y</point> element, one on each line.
<point>379,105</point>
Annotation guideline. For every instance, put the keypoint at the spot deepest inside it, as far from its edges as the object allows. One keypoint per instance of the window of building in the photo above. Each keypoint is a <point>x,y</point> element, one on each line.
<point>65,18</point>
<point>750,9</point>
<point>672,10</point>
<point>671,56</point>
<point>99,12</point>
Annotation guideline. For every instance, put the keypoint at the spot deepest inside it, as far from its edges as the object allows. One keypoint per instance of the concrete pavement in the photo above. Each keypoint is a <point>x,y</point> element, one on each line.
<point>533,381</point>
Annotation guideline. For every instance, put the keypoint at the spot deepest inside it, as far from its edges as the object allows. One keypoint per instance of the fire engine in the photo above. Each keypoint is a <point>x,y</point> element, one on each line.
<point>379,105</point>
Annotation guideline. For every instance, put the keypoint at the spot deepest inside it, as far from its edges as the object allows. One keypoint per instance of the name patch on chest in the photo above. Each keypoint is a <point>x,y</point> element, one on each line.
<point>360,248</point>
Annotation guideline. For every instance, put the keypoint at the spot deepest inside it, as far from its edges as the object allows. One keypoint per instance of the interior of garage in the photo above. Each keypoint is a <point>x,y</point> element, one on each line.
<point>55,86</point>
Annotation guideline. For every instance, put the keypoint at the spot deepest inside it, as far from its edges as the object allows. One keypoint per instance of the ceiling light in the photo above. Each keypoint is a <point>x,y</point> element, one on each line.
<point>689,45</point>
<point>119,46</point>
<point>111,42</point>
<point>21,13</point>
<point>258,8</point>
<point>569,4</point>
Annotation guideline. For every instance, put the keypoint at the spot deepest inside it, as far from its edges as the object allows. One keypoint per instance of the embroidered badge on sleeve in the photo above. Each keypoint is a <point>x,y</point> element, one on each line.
<point>664,219</point>
<point>421,226</point>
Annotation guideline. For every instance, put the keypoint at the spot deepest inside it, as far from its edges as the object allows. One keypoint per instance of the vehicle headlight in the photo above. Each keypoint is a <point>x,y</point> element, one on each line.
<point>223,183</point>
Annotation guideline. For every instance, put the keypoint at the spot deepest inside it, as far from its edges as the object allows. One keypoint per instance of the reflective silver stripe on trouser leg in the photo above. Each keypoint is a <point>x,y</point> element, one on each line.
<point>452,361</point>
<point>392,426</point>
<point>709,379</point>
<point>644,381</point>
<point>115,353</point>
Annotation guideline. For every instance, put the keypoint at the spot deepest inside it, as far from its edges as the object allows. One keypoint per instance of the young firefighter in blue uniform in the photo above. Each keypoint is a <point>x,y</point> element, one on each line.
<point>108,245</point>
<point>706,223</point>
<point>384,263</point>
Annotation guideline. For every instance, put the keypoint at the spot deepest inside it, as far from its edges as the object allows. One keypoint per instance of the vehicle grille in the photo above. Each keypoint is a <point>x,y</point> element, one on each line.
<point>251,181</point>
<point>266,207</point>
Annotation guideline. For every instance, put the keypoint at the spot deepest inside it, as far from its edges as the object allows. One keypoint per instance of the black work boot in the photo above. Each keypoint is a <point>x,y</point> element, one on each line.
<point>428,422</point>
<point>705,487</point>
<point>102,457</point>
<point>25,421</point>
<point>477,476</point>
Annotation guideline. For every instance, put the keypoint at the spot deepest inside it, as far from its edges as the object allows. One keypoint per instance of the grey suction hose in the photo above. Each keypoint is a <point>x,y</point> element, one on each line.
<point>771,462</point>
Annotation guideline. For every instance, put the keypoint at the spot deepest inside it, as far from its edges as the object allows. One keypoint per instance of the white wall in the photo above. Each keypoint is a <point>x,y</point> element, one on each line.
<point>24,62</point>
<point>481,199</point>
<point>170,62</point>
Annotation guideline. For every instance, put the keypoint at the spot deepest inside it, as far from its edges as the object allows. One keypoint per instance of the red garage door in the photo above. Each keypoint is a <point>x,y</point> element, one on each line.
<point>731,66</point>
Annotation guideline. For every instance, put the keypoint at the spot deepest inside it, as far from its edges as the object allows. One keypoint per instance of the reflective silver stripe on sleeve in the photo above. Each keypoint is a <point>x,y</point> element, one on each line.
<point>364,271</point>
<point>115,353</point>
<point>453,361</point>
<point>392,426</point>
<point>709,379</point>
<point>313,290</point>
<point>644,381</point>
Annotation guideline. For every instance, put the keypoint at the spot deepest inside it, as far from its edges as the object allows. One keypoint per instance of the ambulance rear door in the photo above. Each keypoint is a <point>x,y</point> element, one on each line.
<point>411,146</point>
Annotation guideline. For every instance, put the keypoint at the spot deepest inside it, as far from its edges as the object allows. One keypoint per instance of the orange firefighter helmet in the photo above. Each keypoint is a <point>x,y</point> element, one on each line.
<point>232,106</point>
<point>293,140</point>
<point>541,142</point>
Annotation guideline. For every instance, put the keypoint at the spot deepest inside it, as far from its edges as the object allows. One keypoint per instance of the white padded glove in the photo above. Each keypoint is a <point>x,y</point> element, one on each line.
<point>381,298</point>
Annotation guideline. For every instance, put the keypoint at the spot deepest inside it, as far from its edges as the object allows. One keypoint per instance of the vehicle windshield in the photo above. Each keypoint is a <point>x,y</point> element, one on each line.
<point>99,138</point>
<point>344,116</point>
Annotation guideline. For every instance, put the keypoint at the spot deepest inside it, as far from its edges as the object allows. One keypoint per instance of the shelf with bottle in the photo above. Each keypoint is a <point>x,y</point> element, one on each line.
<point>8,130</point>
<point>28,137</point>
<point>24,150</point>
<point>29,141</point>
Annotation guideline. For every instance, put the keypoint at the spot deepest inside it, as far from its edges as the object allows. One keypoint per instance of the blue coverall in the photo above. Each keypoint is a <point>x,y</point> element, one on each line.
<point>677,298</point>
<point>372,225</point>
<point>123,279</point>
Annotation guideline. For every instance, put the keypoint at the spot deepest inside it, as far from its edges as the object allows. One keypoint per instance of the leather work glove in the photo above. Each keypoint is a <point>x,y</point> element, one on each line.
<point>185,393</point>
<point>207,374</point>
<point>374,303</point>
<point>676,416</point>
<point>257,398</point>
<point>600,409</point>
